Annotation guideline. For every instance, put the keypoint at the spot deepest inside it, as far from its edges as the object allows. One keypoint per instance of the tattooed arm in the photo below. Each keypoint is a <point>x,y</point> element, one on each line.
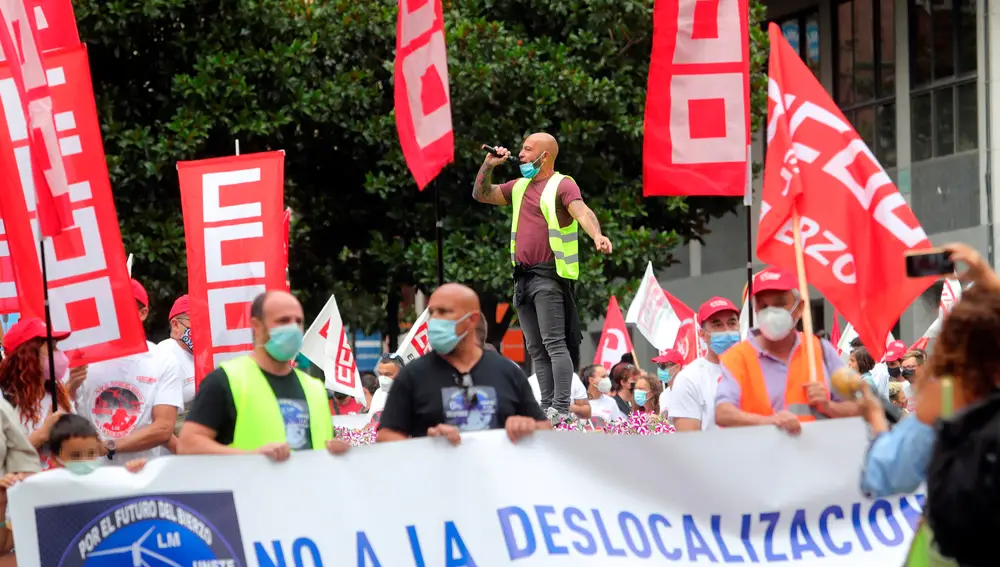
<point>484,191</point>
<point>588,221</point>
<point>586,217</point>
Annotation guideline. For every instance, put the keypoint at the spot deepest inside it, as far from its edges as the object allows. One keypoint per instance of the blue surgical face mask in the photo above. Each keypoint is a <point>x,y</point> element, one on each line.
<point>721,342</point>
<point>83,467</point>
<point>530,170</point>
<point>442,335</point>
<point>664,375</point>
<point>285,342</point>
<point>640,397</point>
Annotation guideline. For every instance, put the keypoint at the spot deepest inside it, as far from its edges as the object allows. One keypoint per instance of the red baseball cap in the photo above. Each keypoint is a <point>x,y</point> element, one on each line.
<point>716,305</point>
<point>774,279</point>
<point>894,351</point>
<point>180,307</point>
<point>669,356</point>
<point>27,329</point>
<point>139,293</point>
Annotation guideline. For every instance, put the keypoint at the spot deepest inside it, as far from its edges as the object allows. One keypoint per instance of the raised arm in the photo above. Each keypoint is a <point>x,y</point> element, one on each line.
<point>588,221</point>
<point>483,190</point>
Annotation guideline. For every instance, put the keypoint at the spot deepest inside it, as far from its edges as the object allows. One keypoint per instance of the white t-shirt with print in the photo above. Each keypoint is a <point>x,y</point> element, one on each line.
<point>605,408</point>
<point>118,395</point>
<point>665,399</point>
<point>693,394</point>
<point>577,391</point>
<point>185,360</point>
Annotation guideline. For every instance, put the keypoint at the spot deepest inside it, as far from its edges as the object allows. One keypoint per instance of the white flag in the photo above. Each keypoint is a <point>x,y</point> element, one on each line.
<point>325,345</point>
<point>849,334</point>
<point>314,341</point>
<point>951,293</point>
<point>415,344</point>
<point>652,314</point>
<point>128,265</point>
<point>339,367</point>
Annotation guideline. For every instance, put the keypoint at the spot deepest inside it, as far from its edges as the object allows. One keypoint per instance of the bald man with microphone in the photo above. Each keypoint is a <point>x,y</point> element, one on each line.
<point>548,211</point>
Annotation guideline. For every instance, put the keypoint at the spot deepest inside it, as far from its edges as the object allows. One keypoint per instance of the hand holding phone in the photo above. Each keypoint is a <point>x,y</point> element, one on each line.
<point>930,262</point>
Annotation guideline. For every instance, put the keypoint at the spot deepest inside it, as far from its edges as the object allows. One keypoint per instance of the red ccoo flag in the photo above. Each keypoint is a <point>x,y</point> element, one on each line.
<point>697,130</point>
<point>23,51</point>
<point>423,104</point>
<point>855,226</point>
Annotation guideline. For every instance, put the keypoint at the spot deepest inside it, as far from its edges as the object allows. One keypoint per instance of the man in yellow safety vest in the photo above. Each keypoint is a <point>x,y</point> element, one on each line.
<point>547,211</point>
<point>259,403</point>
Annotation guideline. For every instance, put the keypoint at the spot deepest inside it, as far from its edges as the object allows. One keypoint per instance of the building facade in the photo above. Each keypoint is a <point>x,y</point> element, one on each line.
<point>913,76</point>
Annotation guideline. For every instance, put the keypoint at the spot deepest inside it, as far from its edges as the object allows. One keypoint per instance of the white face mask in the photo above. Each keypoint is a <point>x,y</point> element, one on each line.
<point>384,383</point>
<point>775,323</point>
<point>604,385</point>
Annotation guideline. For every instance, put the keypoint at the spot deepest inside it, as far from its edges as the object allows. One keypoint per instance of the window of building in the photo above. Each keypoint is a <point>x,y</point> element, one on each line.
<point>943,77</point>
<point>865,73</point>
<point>802,33</point>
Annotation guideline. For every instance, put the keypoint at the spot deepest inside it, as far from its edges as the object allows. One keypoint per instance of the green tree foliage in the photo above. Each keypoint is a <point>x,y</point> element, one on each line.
<point>182,79</point>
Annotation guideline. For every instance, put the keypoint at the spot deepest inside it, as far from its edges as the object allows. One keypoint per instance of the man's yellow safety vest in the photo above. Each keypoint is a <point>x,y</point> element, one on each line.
<point>564,242</point>
<point>258,415</point>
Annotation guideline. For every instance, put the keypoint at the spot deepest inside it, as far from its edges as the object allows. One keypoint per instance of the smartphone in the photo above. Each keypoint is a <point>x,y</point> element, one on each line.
<point>930,262</point>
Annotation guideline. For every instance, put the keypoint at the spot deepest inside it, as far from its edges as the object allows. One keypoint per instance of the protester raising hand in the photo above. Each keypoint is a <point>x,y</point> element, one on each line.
<point>978,270</point>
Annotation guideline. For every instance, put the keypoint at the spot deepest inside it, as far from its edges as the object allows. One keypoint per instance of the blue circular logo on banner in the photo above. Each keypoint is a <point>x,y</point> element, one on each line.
<point>150,531</point>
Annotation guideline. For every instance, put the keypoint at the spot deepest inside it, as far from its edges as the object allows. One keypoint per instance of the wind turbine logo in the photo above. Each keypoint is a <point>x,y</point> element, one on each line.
<point>137,552</point>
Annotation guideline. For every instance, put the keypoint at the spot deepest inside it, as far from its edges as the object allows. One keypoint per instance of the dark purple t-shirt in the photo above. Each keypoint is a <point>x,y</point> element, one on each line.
<point>532,232</point>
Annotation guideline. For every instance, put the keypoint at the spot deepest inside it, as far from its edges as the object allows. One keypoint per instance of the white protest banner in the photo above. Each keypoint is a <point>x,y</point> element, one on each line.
<point>415,344</point>
<point>652,314</point>
<point>487,502</point>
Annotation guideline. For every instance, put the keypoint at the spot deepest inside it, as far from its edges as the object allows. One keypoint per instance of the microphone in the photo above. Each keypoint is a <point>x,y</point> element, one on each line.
<point>847,382</point>
<point>493,152</point>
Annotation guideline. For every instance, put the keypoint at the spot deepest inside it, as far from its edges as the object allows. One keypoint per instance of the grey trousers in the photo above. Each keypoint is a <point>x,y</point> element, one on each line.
<point>543,321</point>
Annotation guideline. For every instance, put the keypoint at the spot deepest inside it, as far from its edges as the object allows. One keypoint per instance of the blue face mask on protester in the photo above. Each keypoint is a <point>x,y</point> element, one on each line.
<point>442,335</point>
<point>530,170</point>
<point>83,467</point>
<point>664,375</point>
<point>721,342</point>
<point>640,397</point>
<point>285,342</point>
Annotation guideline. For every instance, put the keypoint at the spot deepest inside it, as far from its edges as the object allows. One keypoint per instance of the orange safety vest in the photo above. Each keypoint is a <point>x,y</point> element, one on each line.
<point>743,363</point>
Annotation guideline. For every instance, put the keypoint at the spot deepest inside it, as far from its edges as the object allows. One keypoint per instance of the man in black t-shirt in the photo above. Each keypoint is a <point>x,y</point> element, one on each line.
<point>458,386</point>
<point>210,429</point>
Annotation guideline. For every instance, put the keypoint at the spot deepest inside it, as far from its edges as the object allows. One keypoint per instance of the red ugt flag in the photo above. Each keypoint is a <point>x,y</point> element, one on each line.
<point>697,129</point>
<point>423,105</point>
<point>855,225</point>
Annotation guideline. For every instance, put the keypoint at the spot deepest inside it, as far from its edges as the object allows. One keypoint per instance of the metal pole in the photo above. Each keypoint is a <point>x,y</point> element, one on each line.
<point>48,332</point>
<point>438,224</point>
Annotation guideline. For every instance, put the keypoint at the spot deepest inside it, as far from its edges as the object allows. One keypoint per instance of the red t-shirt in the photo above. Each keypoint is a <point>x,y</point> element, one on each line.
<point>532,232</point>
<point>351,407</point>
